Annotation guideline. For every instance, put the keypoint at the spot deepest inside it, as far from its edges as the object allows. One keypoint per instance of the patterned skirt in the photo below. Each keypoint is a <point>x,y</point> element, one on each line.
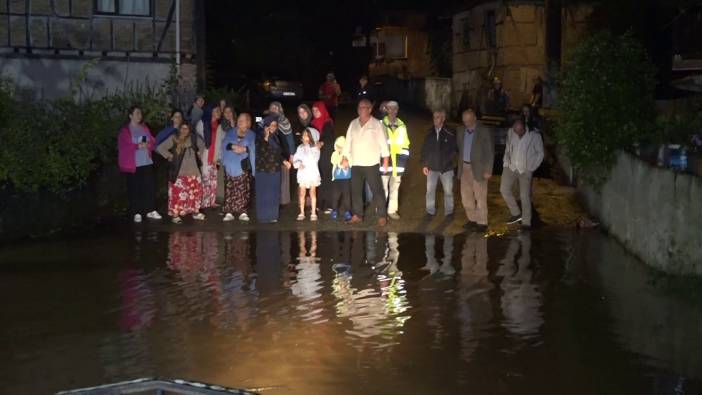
<point>237,193</point>
<point>209,186</point>
<point>184,196</point>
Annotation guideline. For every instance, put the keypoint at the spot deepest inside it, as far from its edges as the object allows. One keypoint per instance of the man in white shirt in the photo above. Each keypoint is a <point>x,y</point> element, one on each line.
<point>365,145</point>
<point>524,153</point>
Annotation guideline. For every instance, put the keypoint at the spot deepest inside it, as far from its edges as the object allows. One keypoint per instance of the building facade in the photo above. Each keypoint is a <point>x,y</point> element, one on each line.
<point>510,41</point>
<point>115,45</point>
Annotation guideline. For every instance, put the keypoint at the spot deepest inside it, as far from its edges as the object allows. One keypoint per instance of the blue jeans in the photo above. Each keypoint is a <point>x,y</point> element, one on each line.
<point>447,184</point>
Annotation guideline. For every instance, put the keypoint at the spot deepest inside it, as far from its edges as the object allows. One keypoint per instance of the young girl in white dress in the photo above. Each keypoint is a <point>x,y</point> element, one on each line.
<point>305,161</point>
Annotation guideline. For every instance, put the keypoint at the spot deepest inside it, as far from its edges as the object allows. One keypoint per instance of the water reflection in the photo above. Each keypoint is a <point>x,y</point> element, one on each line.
<point>521,297</point>
<point>352,312</point>
<point>474,306</point>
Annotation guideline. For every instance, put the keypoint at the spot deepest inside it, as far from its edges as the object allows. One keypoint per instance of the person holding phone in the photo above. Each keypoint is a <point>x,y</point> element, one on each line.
<point>135,145</point>
<point>269,160</point>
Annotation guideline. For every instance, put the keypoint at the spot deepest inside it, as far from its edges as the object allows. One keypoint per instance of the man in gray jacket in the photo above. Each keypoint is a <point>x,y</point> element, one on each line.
<point>524,153</point>
<point>476,157</point>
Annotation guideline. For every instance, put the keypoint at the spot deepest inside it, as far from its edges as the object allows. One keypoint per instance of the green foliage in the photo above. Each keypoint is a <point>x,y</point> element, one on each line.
<point>679,126</point>
<point>606,102</point>
<point>58,145</point>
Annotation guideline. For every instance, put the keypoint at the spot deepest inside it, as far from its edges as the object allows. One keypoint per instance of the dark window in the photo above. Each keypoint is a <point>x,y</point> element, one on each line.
<point>395,47</point>
<point>465,32</point>
<point>491,28</point>
<point>123,7</point>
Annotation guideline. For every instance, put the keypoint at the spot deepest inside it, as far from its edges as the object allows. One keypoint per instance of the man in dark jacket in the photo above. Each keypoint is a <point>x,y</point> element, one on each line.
<point>438,158</point>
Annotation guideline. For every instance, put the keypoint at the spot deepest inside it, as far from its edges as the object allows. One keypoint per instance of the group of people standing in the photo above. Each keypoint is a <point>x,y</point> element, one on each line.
<point>218,158</point>
<point>473,149</point>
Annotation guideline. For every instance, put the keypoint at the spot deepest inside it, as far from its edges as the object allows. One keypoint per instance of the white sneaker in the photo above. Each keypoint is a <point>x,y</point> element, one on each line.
<point>244,217</point>
<point>177,220</point>
<point>228,217</point>
<point>301,217</point>
<point>154,215</point>
<point>328,211</point>
<point>137,218</point>
<point>199,216</point>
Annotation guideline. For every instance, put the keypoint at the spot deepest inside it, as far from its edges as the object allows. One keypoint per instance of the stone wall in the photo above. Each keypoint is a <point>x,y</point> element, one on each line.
<point>654,212</point>
<point>437,92</point>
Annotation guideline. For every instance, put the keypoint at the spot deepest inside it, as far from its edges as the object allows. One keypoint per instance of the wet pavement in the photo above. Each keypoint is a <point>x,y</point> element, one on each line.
<point>549,311</point>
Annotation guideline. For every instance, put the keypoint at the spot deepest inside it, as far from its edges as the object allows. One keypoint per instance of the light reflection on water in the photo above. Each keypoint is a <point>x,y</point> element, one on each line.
<point>350,312</point>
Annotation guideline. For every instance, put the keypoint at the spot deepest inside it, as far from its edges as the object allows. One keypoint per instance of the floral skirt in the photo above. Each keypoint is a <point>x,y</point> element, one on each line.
<point>237,193</point>
<point>184,196</point>
<point>209,186</point>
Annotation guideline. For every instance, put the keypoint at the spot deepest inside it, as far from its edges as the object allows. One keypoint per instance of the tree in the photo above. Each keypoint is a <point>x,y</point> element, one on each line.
<point>606,102</point>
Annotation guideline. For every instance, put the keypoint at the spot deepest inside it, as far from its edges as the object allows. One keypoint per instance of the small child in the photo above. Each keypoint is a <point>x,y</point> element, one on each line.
<point>306,160</point>
<point>341,182</point>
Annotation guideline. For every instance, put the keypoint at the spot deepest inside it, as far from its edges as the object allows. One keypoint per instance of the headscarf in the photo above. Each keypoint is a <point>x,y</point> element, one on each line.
<point>269,119</point>
<point>318,123</point>
<point>283,122</point>
<point>305,122</point>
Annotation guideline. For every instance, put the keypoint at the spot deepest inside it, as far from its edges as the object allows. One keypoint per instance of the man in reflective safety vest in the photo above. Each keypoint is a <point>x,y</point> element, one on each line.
<point>399,143</point>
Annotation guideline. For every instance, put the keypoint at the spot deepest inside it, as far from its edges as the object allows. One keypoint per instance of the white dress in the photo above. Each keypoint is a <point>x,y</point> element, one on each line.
<point>308,176</point>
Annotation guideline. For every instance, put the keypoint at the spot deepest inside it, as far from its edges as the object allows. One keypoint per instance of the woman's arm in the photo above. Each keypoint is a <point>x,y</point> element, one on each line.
<point>164,149</point>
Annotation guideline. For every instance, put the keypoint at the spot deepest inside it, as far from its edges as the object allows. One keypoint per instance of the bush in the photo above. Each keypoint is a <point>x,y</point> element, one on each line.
<point>606,102</point>
<point>57,145</point>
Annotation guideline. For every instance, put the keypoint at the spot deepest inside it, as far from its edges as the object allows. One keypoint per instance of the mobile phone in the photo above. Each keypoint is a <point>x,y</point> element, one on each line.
<point>143,139</point>
<point>259,119</point>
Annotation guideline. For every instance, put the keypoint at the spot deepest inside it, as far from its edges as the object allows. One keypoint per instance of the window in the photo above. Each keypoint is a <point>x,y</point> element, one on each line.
<point>395,47</point>
<point>123,7</point>
<point>465,32</point>
<point>491,29</point>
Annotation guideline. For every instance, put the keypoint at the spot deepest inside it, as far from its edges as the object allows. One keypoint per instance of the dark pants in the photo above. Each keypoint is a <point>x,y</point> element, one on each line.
<point>332,112</point>
<point>359,176</point>
<point>267,196</point>
<point>341,195</point>
<point>141,190</point>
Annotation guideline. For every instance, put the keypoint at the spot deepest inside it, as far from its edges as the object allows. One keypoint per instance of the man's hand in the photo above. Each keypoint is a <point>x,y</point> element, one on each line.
<point>239,149</point>
<point>425,170</point>
<point>487,176</point>
<point>386,164</point>
<point>286,164</point>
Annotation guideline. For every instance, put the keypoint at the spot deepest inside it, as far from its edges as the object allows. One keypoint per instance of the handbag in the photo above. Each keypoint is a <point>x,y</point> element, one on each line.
<point>342,174</point>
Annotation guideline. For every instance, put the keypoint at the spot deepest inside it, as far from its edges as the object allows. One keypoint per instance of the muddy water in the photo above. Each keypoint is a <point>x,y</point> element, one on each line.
<point>347,313</point>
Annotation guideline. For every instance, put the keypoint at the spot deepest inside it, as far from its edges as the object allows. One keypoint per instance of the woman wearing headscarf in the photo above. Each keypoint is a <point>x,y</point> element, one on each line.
<point>212,129</point>
<point>184,178</point>
<point>135,145</point>
<point>285,132</point>
<point>325,125</point>
<point>269,159</point>
<point>176,120</point>
<point>239,160</point>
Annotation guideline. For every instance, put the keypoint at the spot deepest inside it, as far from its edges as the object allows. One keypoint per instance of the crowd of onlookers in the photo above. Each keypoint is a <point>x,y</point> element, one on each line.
<point>220,159</point>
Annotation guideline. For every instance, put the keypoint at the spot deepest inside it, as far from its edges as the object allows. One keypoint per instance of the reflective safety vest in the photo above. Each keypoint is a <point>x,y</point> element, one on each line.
<point>399,143</point>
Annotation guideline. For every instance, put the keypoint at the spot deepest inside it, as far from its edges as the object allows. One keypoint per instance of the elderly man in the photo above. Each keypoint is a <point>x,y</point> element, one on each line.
<point>438,158</point>
<point>524,153</point>
<point>477,152</point>
<point>365,145</point>
<point>399,143</point>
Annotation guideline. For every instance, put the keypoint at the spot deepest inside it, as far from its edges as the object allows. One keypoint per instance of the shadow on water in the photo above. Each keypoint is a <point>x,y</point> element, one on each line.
<point>349,312</point>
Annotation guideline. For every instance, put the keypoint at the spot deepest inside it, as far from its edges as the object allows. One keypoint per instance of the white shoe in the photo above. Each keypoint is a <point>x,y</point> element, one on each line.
<point>137,218</point>
<point>244,217</point>
<point>328,211</point>
<point>177,220</point>
<point>313,217</point>
<point>301,217</point>
<point>154,215</point>
<point>228,217</point>
<point>199,216</point>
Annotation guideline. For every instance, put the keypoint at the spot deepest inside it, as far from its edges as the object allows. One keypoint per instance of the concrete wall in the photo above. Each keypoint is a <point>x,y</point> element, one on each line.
<point>51,78</point>
<point>654,212</point>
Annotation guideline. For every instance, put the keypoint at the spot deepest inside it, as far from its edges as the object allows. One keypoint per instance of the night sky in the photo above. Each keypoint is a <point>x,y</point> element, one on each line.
<point>294,40</point>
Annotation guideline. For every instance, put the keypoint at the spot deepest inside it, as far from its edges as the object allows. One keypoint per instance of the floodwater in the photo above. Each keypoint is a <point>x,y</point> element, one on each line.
<point>546,312</point>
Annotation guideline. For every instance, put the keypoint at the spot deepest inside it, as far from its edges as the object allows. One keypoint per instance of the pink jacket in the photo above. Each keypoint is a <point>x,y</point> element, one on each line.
<point>127,148</point>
